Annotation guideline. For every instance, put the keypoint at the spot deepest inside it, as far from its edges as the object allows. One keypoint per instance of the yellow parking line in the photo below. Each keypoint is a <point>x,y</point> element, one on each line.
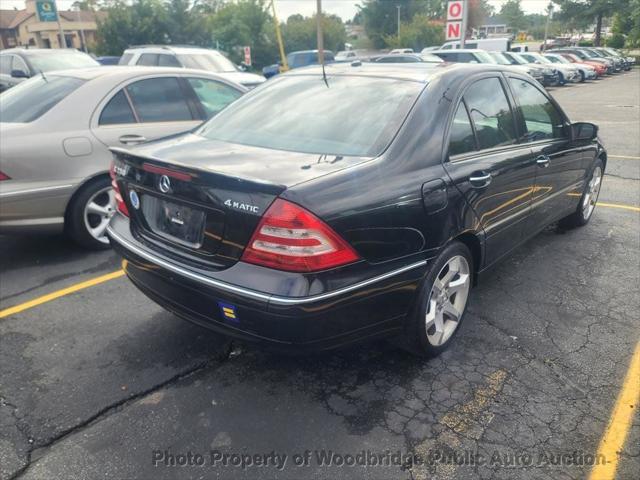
<point>618,205</point>
<point>625,157</point>
<point>620,422</point>
<point>60,293</point>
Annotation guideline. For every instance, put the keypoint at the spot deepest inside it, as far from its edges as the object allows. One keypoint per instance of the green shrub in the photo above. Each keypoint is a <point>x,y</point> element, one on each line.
<point>585,43</point>
<point>616,41</point>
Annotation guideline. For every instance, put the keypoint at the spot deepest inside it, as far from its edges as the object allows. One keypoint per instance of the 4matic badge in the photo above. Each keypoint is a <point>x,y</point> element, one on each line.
<point>241,206</point>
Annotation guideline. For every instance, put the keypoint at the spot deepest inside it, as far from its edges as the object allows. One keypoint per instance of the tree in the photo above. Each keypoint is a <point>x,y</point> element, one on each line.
<point>145,21</point>
<point>628,23</point>
<point>583,13</point>
<point>421,32</point>
<point>513,15</point>
<point>246,23</point>
<point>300,33</point>
<point>380,17</point>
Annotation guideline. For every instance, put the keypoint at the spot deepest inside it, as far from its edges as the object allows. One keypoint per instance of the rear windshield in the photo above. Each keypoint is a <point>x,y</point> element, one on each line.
<point>349,115</point>
<point>31,99</point>
<point>60,61</point>
<point>207,61</point>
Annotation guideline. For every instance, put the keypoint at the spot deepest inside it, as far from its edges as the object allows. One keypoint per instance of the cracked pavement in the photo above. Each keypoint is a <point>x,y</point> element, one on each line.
<point>92,384</point>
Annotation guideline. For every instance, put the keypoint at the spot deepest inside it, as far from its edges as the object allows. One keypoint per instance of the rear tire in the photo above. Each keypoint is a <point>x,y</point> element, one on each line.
<point>89,213</point>
<point>441,302</point>
<point>588,200</point>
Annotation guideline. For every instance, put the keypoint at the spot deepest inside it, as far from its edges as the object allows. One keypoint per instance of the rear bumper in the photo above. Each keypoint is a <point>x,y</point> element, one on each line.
<point>365,309</point>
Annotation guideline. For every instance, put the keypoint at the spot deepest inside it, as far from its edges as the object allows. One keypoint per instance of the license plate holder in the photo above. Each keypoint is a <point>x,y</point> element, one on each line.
<point>175,222</point>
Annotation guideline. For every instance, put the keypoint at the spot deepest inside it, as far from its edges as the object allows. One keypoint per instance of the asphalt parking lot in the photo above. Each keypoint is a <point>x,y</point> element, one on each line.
<point>99,382</point>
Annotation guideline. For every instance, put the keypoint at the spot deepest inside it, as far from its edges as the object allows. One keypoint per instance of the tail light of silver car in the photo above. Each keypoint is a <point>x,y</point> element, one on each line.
<point>4,176</point>
<point>291,238</point>
<point>122,207</point>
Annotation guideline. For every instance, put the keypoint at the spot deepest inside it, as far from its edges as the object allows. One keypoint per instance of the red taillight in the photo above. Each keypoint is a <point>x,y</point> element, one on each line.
<point>4,176</point>
<point>290,238</point>
<point>122,207</point>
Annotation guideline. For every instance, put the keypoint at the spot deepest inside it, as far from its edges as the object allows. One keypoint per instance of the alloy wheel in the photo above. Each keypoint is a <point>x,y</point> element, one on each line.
<point>447,300</point>
<point>592,192</point>
<point>98,212</point>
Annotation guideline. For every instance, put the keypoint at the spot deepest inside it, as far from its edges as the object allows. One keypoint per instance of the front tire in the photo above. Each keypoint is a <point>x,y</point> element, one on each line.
<point>89,214</point>
<point>588,200</point>
<point>441,302</point>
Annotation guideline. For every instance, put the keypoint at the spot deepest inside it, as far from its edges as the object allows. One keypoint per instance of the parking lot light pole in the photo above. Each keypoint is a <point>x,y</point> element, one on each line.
<point>546,27</point>
<point>398,7</point>
<point>63,41</point>
<point>319,28</point>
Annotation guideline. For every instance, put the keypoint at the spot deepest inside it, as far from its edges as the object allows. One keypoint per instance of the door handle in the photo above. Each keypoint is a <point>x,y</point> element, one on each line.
<point>543,161</point>
<point>132,139</point>
<point>480,179</point>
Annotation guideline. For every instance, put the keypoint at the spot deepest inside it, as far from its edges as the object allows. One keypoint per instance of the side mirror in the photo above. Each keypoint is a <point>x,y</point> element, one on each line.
<point>584,131</point>
<point>242,67</point>
<point>473,61</point>
<point>19,74</point>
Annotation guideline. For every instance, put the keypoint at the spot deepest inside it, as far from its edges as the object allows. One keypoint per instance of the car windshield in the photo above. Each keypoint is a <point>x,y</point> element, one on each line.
<point>484,57</point>
<point>517,59</point>
<point>46,62</point>
<point>431,58</point>
<point>499,58</point>
<point>348,115</point>
<point>30,100</point>
<point>207,61</point>
<point>557,59</point>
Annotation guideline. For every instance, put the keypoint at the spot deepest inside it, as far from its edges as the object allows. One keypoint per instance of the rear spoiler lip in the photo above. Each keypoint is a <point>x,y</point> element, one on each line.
<point>275,186</point>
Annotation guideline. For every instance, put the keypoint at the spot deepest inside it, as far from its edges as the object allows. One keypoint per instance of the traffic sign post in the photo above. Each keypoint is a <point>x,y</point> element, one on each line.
<point>456,26</point>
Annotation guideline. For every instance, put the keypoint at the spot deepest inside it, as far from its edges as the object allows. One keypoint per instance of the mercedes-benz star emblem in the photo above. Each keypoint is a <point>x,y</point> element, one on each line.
<point>164,184</point>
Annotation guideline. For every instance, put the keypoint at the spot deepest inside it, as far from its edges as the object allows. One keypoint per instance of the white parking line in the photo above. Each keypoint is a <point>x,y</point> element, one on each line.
<point>624,157</point>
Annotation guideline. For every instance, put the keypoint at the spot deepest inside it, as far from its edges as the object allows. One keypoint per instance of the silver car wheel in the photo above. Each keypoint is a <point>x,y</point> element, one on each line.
<point>447,300</point>
<point>592,192</point>
<point>98,212</point>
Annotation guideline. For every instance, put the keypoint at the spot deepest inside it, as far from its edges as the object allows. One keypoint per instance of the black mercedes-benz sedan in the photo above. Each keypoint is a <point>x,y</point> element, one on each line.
<point>319,210</point>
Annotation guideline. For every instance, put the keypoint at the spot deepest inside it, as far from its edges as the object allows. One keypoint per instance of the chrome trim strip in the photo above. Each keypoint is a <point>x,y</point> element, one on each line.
<point>252,293</point>
<point>33,190</point>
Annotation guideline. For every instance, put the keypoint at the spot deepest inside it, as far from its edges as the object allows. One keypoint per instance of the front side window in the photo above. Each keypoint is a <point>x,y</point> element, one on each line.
<point>125,59</point>
<point>5,64</point>
<point>159,100</point>
<point>18,64</point>
<point>117,111</point>
<point>148,60</point>
<point>490,113</point>
<point>541,118</point>
<point>302,113</point>
<point>461,138</point>
<point>165,60</point>
<point>30,100</point>
<point>213,96</point>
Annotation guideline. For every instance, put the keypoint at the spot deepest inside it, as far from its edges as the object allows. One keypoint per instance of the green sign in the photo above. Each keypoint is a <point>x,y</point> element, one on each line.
<point>47,11</point>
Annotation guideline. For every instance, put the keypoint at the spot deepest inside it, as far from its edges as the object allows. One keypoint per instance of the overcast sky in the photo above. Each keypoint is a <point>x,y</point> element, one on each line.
<point>345,9</point>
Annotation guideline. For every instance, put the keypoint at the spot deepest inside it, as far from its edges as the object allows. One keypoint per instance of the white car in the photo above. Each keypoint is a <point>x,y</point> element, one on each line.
<point>189,57</point>
<point>400,50</point>
<point>346,56</point>
<point>56,132</point>
<point>587,72</point>
<point>568,73</point>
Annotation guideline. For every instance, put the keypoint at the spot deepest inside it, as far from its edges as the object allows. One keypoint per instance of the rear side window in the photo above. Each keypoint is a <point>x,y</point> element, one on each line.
<point>213,96</point>
<point>159,100</point>
<point>125,59</point>
<point>541,118</point>
<point>148,59</point>
<point>30,100</point>
<point>490,113</point>
<point>5,64</point>
<point>165,60</point>
<point>461,138</point>
<point>117,111</point>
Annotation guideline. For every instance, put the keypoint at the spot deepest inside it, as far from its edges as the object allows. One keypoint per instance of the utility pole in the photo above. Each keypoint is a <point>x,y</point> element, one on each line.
<point>465,15</point>
<point>398,7</point>
<point>63,41</point>
<point>319,28</point>
<point>82,39</point>
<point>546,27</point>
<point>283,57</point>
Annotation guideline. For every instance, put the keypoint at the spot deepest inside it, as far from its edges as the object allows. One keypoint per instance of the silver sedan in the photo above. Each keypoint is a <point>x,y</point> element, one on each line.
<point>56,130</point>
